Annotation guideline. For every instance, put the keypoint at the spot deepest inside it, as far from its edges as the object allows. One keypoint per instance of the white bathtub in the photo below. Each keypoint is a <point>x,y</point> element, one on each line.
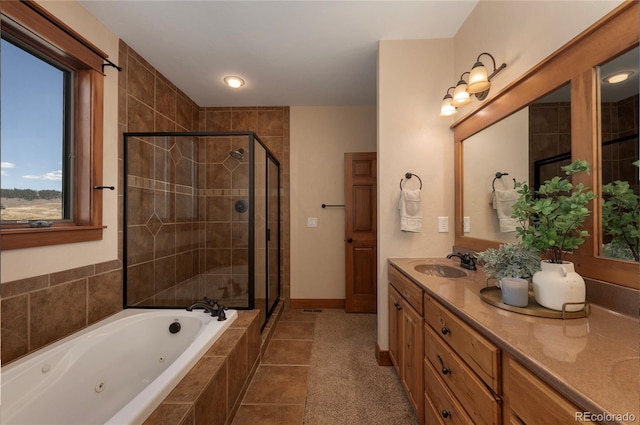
<point>116,371</point>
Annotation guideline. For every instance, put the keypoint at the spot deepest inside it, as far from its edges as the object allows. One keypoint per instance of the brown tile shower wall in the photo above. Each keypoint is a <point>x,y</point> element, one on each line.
<point>620,120</point>
<point>549,135</point>
<point>163,227</point>
<point>271,124</point>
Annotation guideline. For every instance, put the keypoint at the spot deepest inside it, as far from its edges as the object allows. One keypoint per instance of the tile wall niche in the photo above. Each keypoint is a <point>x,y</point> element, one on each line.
<point>35,311</point>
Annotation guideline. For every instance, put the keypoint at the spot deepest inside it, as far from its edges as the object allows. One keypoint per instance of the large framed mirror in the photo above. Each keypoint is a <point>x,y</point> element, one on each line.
<point>620,198</point>
<point>566,87</point>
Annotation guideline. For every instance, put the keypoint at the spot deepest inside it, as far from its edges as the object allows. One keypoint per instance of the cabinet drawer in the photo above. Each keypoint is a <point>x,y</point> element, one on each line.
<point>478,353</point>
<point>533,401</point>
<point>443,402</point>
<point>409,290</point>
<point>478,401</point>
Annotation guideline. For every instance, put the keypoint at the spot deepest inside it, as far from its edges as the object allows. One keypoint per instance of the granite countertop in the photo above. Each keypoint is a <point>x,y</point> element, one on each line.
<point>593,361</point>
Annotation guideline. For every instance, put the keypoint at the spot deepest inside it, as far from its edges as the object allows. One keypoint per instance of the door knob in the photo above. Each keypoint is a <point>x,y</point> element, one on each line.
<point>350,240</point>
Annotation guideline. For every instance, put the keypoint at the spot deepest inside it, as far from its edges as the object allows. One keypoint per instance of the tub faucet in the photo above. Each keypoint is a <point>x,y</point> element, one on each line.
<point>204,306</point>
<point>466,261</point>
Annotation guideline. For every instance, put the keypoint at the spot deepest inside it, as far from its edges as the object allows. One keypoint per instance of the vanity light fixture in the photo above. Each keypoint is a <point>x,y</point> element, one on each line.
<point>460,94</point>
<point>446,108</point>
<point>618,77</point>
<point>478,85</point>
<point>233,81</point>
<point>479,81</point>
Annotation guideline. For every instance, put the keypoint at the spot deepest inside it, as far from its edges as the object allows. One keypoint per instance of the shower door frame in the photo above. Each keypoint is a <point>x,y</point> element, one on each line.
<point>251,137</point>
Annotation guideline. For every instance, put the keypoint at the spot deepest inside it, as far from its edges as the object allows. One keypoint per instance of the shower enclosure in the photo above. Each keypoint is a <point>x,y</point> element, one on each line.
<point>202,218</point>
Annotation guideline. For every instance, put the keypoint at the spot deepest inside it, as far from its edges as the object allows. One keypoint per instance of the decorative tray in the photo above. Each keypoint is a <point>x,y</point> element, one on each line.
<point>493,296</point>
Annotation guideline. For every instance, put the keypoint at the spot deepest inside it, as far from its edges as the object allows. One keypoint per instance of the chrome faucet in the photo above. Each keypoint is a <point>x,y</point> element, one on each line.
<point>466,261</point>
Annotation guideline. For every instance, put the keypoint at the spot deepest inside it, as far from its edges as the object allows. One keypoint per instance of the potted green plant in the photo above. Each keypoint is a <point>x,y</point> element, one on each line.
<point>551,220</point>
<point>512,265</point>
<point>621,220</point>
<point>510,260</point>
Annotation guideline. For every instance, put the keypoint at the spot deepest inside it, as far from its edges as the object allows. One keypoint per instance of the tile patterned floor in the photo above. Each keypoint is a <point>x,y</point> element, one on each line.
<point>277,393</point>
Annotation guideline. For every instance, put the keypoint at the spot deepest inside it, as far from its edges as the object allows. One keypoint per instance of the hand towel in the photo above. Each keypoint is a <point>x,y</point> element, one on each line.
<point>503,201</point>
<point>410,206</point>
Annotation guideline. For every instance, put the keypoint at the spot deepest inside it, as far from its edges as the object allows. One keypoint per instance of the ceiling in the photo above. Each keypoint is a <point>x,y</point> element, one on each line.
<point>295,53</point>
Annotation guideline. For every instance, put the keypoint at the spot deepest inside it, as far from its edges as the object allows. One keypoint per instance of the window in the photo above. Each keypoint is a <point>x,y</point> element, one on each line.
<point>51,130</point>
<point>35,136</point>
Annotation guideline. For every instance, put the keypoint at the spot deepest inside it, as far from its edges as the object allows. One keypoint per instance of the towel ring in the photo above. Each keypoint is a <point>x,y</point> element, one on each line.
<point>408,176</point>
<point>498,176</point>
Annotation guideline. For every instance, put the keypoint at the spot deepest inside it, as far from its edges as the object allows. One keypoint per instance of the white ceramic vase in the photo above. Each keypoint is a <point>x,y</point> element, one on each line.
<point>556,284</point>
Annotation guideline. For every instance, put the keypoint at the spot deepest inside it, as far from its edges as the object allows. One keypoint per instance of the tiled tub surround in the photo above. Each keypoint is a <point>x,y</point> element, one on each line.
<point>50,385</point>
<point>594,361</point>
<point>211,392</point>
<point>39,310</point>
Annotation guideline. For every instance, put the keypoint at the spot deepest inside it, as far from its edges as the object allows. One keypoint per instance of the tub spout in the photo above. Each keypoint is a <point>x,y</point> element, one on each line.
<point>204,306</point>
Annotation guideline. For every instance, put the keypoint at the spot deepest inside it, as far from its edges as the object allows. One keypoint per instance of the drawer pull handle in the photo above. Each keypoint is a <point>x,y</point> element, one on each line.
<point>397,306</point>
<point>445,330</point>
<point>445,370</point>
<point>445,414</point>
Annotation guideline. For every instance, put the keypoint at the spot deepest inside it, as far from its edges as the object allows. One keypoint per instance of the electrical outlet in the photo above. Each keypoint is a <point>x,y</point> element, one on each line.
<point>312,221</point>
<point>443,224</point>
<point>466,225</point>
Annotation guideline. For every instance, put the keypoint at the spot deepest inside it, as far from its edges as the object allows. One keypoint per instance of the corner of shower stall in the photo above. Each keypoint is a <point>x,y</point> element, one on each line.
<point>202,218</point>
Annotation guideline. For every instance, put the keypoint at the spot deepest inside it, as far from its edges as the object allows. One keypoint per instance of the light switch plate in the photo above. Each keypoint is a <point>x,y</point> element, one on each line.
<point>466,225</point>
<point>443,224</point>
<point>312,221</point>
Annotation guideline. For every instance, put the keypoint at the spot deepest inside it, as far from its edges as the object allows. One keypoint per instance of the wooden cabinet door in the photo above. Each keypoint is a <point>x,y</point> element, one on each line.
<point>395,329</point>
<point>413,377</point>
<point>533,401</point>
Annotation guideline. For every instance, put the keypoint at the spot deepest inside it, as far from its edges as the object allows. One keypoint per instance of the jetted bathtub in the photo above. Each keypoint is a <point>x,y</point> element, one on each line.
<point>116,371</point>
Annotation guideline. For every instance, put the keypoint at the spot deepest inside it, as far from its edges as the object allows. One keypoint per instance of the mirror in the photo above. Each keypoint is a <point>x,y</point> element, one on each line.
<point>575,63</point>
<point>528,146</point>
<point>619,137</point>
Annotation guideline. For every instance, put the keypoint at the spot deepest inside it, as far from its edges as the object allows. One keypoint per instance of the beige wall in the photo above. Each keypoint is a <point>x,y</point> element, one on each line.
<point>23,263</point>
<point>412,77</point>
<point>320,135</point>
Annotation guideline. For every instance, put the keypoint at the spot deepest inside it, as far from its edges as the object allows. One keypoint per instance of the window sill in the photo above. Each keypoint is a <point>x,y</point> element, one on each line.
<point>34,237</point>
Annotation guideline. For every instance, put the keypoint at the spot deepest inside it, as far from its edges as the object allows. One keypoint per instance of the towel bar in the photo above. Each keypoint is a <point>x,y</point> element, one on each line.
<point>498,176</point>
<point>408,176</point>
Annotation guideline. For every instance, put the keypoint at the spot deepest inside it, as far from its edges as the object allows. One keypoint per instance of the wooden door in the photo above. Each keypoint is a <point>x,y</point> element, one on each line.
<point>360,199</point>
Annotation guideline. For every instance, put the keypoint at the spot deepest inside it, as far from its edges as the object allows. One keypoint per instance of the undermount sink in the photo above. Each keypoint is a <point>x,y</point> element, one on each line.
<point>439,270</point>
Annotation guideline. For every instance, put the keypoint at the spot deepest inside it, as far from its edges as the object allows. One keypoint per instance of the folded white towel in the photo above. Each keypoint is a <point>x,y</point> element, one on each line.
<point>503,201</point>
<point>410,206</point>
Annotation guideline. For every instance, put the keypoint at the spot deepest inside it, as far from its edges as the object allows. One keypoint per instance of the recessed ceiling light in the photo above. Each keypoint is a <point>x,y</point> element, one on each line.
<point>617,77</point>
<point>234,82</point>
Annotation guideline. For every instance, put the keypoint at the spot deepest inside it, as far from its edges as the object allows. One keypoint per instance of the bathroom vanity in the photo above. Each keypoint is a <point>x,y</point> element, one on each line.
<point>462,360</point>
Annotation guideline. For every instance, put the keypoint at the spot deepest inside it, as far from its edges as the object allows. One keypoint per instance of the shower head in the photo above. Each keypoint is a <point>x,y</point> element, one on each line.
<point>239,154</point>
